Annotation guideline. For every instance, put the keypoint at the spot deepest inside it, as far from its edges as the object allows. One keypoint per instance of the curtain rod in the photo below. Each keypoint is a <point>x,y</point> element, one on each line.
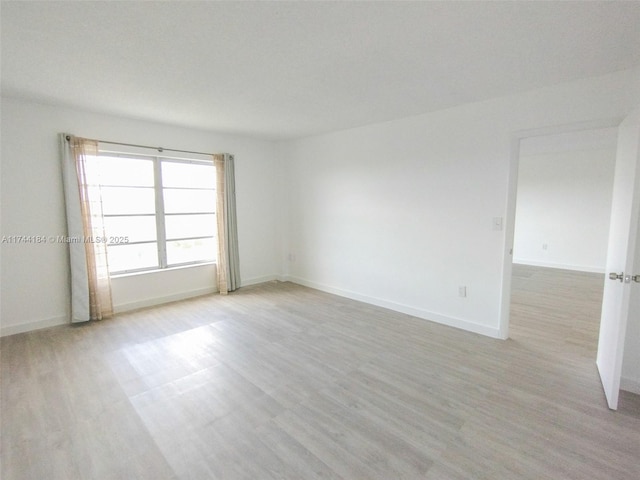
<point>159,149</point>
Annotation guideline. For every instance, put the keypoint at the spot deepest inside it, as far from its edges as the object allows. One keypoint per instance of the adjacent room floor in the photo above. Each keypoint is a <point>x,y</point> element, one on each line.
<point>279,381</point>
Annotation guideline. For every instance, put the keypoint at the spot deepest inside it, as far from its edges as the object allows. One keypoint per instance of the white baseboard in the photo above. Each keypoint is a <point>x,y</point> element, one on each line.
<point>562,266</point>
<point>398,307</point>
<point>257,280</point>
<point>630,385</point>
<point>36,325</point>
<point>124,307</point>
<point>152,302</point>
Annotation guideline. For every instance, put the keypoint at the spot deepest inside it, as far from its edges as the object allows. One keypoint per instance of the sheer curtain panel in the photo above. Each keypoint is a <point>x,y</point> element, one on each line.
<point>90,281</point>
<point>228,266</point>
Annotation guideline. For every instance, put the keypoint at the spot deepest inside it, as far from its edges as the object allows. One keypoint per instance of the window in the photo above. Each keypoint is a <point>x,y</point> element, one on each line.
<point>158,211</point>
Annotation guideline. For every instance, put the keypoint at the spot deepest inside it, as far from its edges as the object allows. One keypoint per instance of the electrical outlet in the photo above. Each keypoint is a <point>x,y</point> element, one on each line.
<point>462,291</point>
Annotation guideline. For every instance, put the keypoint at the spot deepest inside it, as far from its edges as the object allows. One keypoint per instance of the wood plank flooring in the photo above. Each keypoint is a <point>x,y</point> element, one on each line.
<point>279,381</point>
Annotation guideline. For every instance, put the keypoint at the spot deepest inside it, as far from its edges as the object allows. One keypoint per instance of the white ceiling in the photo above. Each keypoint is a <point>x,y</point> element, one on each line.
<point>284,70</point>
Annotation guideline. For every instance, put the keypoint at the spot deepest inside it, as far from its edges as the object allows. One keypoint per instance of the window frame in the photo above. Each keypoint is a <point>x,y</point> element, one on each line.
<point>160,214</point>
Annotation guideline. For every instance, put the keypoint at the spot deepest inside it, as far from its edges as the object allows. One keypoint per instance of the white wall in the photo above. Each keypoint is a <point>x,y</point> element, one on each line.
<point>400,213</point>
<point>35,279</point>
<point>564,204</point>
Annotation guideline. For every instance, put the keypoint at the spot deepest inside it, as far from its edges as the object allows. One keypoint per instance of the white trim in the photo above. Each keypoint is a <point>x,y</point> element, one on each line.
<point>152,302</point>
<point>630,385</point>
<point>398,307</point>
<point>127,307</point>
<point>257,280</point>
<point>35,325</point>
<point>562,266</point>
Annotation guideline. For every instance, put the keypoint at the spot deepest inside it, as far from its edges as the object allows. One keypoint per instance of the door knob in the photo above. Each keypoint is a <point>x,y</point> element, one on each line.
<point>616,276</point>
<point>636,278</point>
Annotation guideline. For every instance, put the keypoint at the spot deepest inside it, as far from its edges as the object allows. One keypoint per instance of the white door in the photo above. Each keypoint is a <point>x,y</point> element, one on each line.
<point>622,241</point>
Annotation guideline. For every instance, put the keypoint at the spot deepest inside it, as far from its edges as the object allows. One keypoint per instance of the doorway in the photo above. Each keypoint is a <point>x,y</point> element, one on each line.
<point>563,210</point>
<point>547,142</point>
<point>625,202</point>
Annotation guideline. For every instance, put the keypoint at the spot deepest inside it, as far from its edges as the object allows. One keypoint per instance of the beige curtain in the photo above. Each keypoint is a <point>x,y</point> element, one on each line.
<point>90,281</point>
<point>228,264</point>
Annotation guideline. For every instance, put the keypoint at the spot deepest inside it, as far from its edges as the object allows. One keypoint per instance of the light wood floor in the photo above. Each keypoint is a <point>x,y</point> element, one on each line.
<point>279,381</point>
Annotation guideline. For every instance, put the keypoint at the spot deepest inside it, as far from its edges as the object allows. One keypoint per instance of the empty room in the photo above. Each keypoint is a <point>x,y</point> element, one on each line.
<point>339,240</point>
